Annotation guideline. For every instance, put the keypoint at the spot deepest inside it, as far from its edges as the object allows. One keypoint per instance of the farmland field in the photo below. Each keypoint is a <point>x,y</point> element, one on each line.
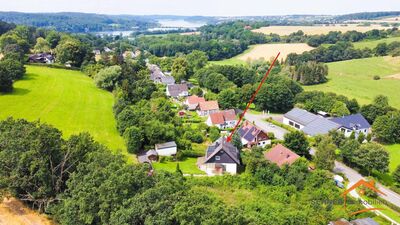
<point>266,51</point>
<point>354,79</point>
<point>313,30</point>
<point>66,99</point>
<point>371,43</point>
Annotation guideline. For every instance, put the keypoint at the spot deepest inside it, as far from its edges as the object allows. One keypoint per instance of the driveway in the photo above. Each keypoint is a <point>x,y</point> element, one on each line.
<point>259,120</point>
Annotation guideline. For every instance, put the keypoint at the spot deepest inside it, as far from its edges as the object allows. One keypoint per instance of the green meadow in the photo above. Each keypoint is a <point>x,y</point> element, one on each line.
<point>66,99</point>
<point>372,44</point>
<point>354,79</point>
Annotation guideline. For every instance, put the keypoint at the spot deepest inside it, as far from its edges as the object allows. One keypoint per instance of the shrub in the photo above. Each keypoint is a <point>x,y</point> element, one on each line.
<point>376,77</point>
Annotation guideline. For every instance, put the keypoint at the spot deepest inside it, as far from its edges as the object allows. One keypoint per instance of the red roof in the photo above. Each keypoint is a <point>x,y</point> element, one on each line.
<point>281,155</point>
<point>194,99</point>
<point>222,116</point>
<point>208,105</point>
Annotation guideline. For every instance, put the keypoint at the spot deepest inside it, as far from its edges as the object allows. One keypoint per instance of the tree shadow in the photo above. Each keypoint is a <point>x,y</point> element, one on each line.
<point>16,91</point>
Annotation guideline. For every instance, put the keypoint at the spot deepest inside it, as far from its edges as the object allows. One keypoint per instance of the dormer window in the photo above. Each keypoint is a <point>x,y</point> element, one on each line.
<point>217,158</point>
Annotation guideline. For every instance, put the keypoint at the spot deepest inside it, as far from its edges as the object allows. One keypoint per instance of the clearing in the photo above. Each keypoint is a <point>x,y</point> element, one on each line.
<point>66,99</point>
<point>354,79</point>
<point>187,166</point>
<point>13,212</point>
<point>318,29</point>
<point>265,51</point>
<point>371,43</point>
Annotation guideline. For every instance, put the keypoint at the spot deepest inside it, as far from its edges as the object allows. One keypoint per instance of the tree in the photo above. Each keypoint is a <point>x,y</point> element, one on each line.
<point>107,78</point>
<point>381,49</point>
<point>372,156</point>
<point>196,60</point>
<point>228,99</point>
<point>134,139</point>
<point>6,80</point>
<point>310,73</point>
<point>348,148</point>
<point>387,127</point>
<point>396,174</point>
<point>180,69</point>
<point>275,97</point>
<point>196,91</point>
<point>339,109</point>
<point>297,142</point>
<point>325,155</point>
<point>42,45</point>
<point>214,133</point>
<point>361,137</point>
<point>14,68</point>
<point>53,38</point>
<point>71,50</point>
<point>237,141</point>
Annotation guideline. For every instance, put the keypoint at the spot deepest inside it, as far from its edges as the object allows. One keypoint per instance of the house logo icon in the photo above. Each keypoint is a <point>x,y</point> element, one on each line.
<point>370,185</point>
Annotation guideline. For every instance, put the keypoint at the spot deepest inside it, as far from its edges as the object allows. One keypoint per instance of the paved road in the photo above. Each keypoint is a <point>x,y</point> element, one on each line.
<point>259,120</point>
<point>352,175</point>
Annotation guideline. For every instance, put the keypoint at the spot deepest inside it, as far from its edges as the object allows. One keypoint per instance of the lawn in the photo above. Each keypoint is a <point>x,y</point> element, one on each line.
<point>66,99</point>
<point>394,152</point>
<point>354,79</point>
<point>188,166</point>
<point>374,43</point>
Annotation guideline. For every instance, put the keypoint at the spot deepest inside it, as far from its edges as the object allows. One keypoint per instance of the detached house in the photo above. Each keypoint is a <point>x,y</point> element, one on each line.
<point>207,107</point>
<point>251,135</point>
<point>280,155</point>
<point>166,149</point>
<point>193,101</point>
<point>221,157</point>
<point>158,77</point>
<point>350,123</point>
<point>41,58</point>
<point>223,119</point>
<point>309,123</point>
<point>177,90</point>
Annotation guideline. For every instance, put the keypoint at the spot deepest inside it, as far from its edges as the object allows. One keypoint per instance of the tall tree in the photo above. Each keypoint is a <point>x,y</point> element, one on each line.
<point>325,155</point>
<point>297,141</point>
<point>372,156</point>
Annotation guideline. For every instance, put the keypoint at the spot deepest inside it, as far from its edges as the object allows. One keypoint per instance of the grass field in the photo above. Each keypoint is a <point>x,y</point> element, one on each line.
<point>394,152</point>
<point>266,52</point>
<point>371,43</point>
<point>318,29</point>
<point>354,79</point>
<point>66,99</point>
<point>188,166</point>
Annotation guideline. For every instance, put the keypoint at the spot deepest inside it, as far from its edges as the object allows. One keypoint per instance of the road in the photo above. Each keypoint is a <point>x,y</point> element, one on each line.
<point>352,175</point>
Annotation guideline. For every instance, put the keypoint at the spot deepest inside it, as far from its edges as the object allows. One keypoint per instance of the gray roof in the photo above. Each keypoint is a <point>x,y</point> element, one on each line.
<point>364,221</point>
<point>320,126</point>
<point>352,121</point>
<point>300,116</point>
<point>168,79</point>
<point>166,145</point>
<point>176,89</point>
<point>222,144</point>
<point>151,152</point>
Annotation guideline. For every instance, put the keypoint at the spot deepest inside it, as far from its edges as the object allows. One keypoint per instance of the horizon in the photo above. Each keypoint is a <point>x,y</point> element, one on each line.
<point>235,8</point>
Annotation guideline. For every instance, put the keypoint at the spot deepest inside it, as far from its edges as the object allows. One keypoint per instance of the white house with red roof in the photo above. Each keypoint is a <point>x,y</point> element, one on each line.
<point>222,119</point>
<point>251,135</point>
<point>193,101</point>
<point>280,155</point>
<point>207,107</point>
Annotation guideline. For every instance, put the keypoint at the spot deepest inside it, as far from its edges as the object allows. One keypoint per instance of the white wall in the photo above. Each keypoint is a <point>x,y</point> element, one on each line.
<point>286,121</point>
<point>348,132</point>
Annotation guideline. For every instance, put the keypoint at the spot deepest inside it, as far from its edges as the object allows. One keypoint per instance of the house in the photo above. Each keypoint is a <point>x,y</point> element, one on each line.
<point>96,52</point>
<point>222,119</point>
<point>193,101</point>
<point>128,55</point>
<point>177,90</point>
<point>148,157</point>
<point>220,157</point>
<point>309,123</point>
<point>280,155</point>
<point>41,58</point>
<point>350,123</point>
<point>251,135</point>
<point>362,221</point>
<point>166,149</point>
<point>158,77</point>
<point>207,107</point>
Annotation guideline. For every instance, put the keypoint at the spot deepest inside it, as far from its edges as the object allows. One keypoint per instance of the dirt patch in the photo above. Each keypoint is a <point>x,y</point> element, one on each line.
<point>394,76</point>
<point>314,30</point>
<point>13,212</point>
<point>267,51</point>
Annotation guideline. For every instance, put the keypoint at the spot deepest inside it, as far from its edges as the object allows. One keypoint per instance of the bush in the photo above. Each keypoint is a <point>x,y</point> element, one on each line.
<point>376,77</point>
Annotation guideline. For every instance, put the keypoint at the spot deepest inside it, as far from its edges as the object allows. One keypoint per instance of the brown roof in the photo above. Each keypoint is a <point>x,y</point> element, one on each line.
<point>223,116</point>
<point>250,131</point>
<point>281,155</point>
<point>208,105</point>
<point>194,99</point>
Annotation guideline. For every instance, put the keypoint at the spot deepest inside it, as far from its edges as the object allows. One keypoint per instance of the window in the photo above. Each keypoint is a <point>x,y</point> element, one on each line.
<point>297,126</point>
<point>342,129</point>
<point>291,123</point>
<point>217,158</point>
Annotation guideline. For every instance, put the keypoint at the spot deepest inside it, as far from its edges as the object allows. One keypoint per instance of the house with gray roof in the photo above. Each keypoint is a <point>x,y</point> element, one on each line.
<point>158,77</point>
<point>353,123</point>
<point>166,149</point>
<point>177,90</point>
<point>309,123</point>
<point>220,157</point>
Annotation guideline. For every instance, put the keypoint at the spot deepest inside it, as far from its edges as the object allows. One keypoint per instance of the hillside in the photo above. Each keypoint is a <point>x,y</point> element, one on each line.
<point>66,99</point>
<point>354,79</point>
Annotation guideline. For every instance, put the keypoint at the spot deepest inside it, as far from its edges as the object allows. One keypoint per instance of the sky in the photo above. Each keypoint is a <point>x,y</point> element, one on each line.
<point>202,7</point>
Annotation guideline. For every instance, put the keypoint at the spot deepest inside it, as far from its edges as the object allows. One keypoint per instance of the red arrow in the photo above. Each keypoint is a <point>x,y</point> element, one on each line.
<point>252,99</point>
